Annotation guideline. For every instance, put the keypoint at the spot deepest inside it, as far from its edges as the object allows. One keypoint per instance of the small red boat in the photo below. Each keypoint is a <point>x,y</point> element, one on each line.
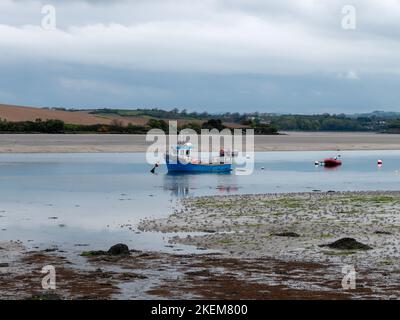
<point>332,162</point>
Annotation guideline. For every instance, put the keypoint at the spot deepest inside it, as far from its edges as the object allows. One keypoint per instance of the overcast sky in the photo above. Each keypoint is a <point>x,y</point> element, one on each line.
<point>210,55</point>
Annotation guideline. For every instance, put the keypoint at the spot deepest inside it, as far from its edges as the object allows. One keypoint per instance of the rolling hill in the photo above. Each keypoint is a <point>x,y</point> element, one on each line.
<point>17,113</point>
<point>13,113</point>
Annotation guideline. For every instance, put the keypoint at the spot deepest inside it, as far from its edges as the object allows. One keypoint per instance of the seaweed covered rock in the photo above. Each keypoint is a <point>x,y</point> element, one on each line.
<point>118,250</point>
<point>347,244</point>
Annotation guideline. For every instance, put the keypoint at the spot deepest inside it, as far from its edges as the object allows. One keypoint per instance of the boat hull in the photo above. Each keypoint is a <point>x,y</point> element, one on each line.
<point>332,162</point>
<point>194,167</point>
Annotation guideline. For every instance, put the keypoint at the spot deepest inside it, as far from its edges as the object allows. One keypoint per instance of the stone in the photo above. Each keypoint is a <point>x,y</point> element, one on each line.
<point>347,244</point>
<point>118,250</point>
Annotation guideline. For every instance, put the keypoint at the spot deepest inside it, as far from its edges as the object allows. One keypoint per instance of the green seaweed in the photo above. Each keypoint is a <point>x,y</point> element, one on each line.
<point>340,253</point>
<point>93,253</point>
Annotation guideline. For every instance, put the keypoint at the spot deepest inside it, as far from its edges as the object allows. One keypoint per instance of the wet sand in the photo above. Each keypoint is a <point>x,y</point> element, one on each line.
<point>267,246</point>
<point>290,141</point>
<point>295,228</point>
<point>155,275</point>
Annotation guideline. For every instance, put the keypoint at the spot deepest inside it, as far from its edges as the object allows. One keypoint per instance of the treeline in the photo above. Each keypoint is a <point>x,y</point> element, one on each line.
<point>213,124</point>
<point>58,126</point>
<point>267,122</point>
<point>196,126</point>
<point>38,126</point>
<point>327,122</point>
<point>262,124</point>
<point>393,126</point>
<point>271,124</point>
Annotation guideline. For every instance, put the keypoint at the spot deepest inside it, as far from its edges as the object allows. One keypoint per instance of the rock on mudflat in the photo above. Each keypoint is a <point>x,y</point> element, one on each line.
<point>347,244</point>
<point>383,232</point>
<point>118,250</point>
<point>287,234</point>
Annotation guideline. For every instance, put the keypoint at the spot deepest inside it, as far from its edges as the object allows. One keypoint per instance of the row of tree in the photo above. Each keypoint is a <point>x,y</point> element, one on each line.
<point>58,126</point>
<point>269,125</point>
<point>325,123</point>
<point>48,126</point>
<point>213,124</point>
<point>375,121</point>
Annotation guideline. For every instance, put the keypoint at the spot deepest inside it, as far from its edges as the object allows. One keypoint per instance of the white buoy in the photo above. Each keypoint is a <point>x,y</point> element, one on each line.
<point>380,162</point>
<point>316,163</point>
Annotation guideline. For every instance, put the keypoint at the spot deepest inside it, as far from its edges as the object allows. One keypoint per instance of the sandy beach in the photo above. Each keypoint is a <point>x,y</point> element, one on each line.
<point>288,141</point>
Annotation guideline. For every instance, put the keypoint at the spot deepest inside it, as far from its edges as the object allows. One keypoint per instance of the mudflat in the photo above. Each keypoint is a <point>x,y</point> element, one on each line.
<point>333,231</point>
<point>256,246</point>
<point>288,141</point>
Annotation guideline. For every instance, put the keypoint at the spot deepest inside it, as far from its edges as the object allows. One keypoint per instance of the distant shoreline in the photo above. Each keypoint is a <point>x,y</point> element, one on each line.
<point>122,143</point>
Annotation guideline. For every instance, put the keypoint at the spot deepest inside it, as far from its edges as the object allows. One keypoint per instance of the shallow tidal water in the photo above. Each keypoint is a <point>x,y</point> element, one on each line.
<point>91,201</point>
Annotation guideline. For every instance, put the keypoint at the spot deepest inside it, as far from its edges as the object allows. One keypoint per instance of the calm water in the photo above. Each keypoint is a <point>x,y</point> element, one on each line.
<point>71,200</point>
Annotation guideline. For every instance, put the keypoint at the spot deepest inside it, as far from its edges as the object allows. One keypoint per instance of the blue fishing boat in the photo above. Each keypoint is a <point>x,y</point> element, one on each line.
<point>182,161</point>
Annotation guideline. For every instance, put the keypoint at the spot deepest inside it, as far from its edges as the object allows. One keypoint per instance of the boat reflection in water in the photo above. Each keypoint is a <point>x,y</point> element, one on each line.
<point>184,184</point>
<point>227,188</point>
<point>331,168</point>
<point>178,184</point>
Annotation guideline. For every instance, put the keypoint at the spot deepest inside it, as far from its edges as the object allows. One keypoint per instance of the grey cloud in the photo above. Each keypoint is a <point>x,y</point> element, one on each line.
<point>216,53</point>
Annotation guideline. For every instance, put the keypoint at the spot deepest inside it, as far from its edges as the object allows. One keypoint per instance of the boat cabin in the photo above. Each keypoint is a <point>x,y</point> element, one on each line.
<point>184,150</point>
